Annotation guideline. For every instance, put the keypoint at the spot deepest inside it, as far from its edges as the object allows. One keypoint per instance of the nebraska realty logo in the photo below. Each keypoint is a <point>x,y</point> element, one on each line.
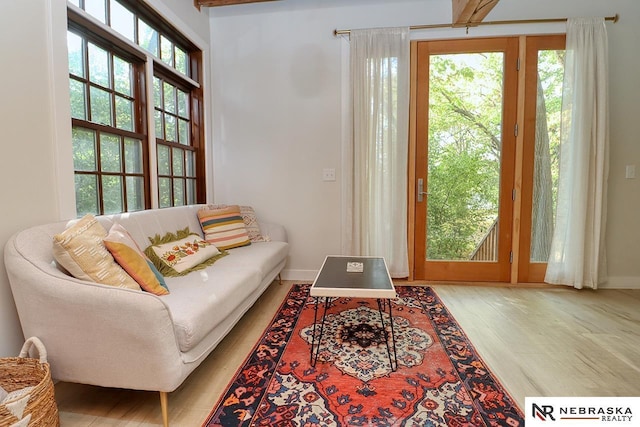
<point>582,411</point>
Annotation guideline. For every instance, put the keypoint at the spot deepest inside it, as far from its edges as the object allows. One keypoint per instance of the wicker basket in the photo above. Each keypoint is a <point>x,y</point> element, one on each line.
<point>38,406</point>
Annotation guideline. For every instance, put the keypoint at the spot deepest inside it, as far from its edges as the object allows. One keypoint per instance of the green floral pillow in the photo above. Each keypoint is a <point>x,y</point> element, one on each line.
<point>177,254</point>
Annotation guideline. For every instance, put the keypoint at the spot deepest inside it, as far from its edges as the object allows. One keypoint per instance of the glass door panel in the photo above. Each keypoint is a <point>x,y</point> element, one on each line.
<point>550,71</point>
<point>464,150</point>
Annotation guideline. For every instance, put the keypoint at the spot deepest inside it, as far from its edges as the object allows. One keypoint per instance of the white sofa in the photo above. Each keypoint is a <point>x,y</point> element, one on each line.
<point>115,337</point>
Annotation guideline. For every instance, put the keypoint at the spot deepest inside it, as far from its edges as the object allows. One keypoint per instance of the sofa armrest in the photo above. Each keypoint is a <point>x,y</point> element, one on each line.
<point>275,231</point>
<point>95,334</point>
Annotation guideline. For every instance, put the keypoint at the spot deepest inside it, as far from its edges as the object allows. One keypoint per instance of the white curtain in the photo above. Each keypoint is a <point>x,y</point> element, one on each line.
<point>379,61</point>
<point>577,250</point>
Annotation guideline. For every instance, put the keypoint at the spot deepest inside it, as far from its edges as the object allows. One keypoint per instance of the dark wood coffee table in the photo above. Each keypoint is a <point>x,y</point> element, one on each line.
<point>356,277</point>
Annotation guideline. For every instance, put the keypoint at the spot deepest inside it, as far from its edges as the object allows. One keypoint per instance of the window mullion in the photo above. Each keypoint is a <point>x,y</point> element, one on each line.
<point>99,175</point>
<point>97,32</point>
<point>171,71</point>
<point>151,132</point>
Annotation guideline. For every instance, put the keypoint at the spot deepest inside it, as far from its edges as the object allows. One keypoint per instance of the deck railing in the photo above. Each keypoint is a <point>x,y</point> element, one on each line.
<point>487,249</point>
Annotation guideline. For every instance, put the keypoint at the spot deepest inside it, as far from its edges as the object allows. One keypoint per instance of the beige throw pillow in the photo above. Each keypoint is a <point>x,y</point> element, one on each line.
<point>81,251</point>
<point>251,222</point>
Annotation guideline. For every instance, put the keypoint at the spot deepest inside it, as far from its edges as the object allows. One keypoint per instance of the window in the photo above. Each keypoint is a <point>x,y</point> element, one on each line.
<point>176,155</point>
<point>141,26</point>
<point>108,150</point>
<point>109,91</point>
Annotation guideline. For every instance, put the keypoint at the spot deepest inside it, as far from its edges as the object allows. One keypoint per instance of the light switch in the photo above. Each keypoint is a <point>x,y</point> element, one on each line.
<point>630,172</point>
<point>328,174</point>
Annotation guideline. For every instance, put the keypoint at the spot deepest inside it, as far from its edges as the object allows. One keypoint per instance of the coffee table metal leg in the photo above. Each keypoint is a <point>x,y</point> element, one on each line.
<point>393,360</point>
<point>315,348</point>
<point>313,337</point>
<point>393,338</point>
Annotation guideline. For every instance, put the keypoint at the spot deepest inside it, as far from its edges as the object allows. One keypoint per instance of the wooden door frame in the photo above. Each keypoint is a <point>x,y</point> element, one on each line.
<point>411,166</point>
<point>511,49</point>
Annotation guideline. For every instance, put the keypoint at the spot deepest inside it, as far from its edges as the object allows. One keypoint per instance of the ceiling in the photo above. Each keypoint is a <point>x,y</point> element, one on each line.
<point>464,12</point>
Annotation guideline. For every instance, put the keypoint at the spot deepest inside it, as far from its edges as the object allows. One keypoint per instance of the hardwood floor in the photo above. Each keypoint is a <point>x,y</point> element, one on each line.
<point>537,341</point>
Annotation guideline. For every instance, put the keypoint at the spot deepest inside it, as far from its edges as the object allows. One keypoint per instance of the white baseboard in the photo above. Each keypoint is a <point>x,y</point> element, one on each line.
<point>621,282</point>
<point>300,275</point>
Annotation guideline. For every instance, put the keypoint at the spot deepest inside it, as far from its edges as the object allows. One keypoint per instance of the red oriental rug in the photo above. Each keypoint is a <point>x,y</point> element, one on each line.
<point>440,381</point>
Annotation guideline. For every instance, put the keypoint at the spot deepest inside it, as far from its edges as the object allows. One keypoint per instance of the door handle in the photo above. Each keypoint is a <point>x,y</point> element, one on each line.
<point>421,191</point>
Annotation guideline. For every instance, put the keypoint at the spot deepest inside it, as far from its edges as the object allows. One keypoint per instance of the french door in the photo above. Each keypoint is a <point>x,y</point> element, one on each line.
<point>485,146</point>
<point>465,131</point>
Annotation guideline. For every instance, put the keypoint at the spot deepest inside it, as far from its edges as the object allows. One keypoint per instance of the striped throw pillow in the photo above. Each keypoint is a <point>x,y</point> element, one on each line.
<point>224,227</point>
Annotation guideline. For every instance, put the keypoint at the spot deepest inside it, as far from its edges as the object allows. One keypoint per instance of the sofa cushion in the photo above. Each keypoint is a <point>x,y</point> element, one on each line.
<point>147,223</point>
<point>219,290</point>
<point>224,227</point>
<point>177,254</point>
<point>81,251</point>
<point>200,301</point>
<point>130,257</point>
<point>263,256</point>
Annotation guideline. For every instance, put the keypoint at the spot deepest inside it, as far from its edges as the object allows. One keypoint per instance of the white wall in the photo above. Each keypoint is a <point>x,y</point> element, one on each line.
<point>277,79</point>
<point>36,166</point>
<point>27,167</point>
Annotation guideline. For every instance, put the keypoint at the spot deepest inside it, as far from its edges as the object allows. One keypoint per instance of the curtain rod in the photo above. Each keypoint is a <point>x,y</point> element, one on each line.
<point>613,19</point>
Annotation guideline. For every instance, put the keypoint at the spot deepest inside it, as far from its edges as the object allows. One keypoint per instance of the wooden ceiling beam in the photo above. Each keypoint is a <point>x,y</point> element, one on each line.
<point>467,13</point>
